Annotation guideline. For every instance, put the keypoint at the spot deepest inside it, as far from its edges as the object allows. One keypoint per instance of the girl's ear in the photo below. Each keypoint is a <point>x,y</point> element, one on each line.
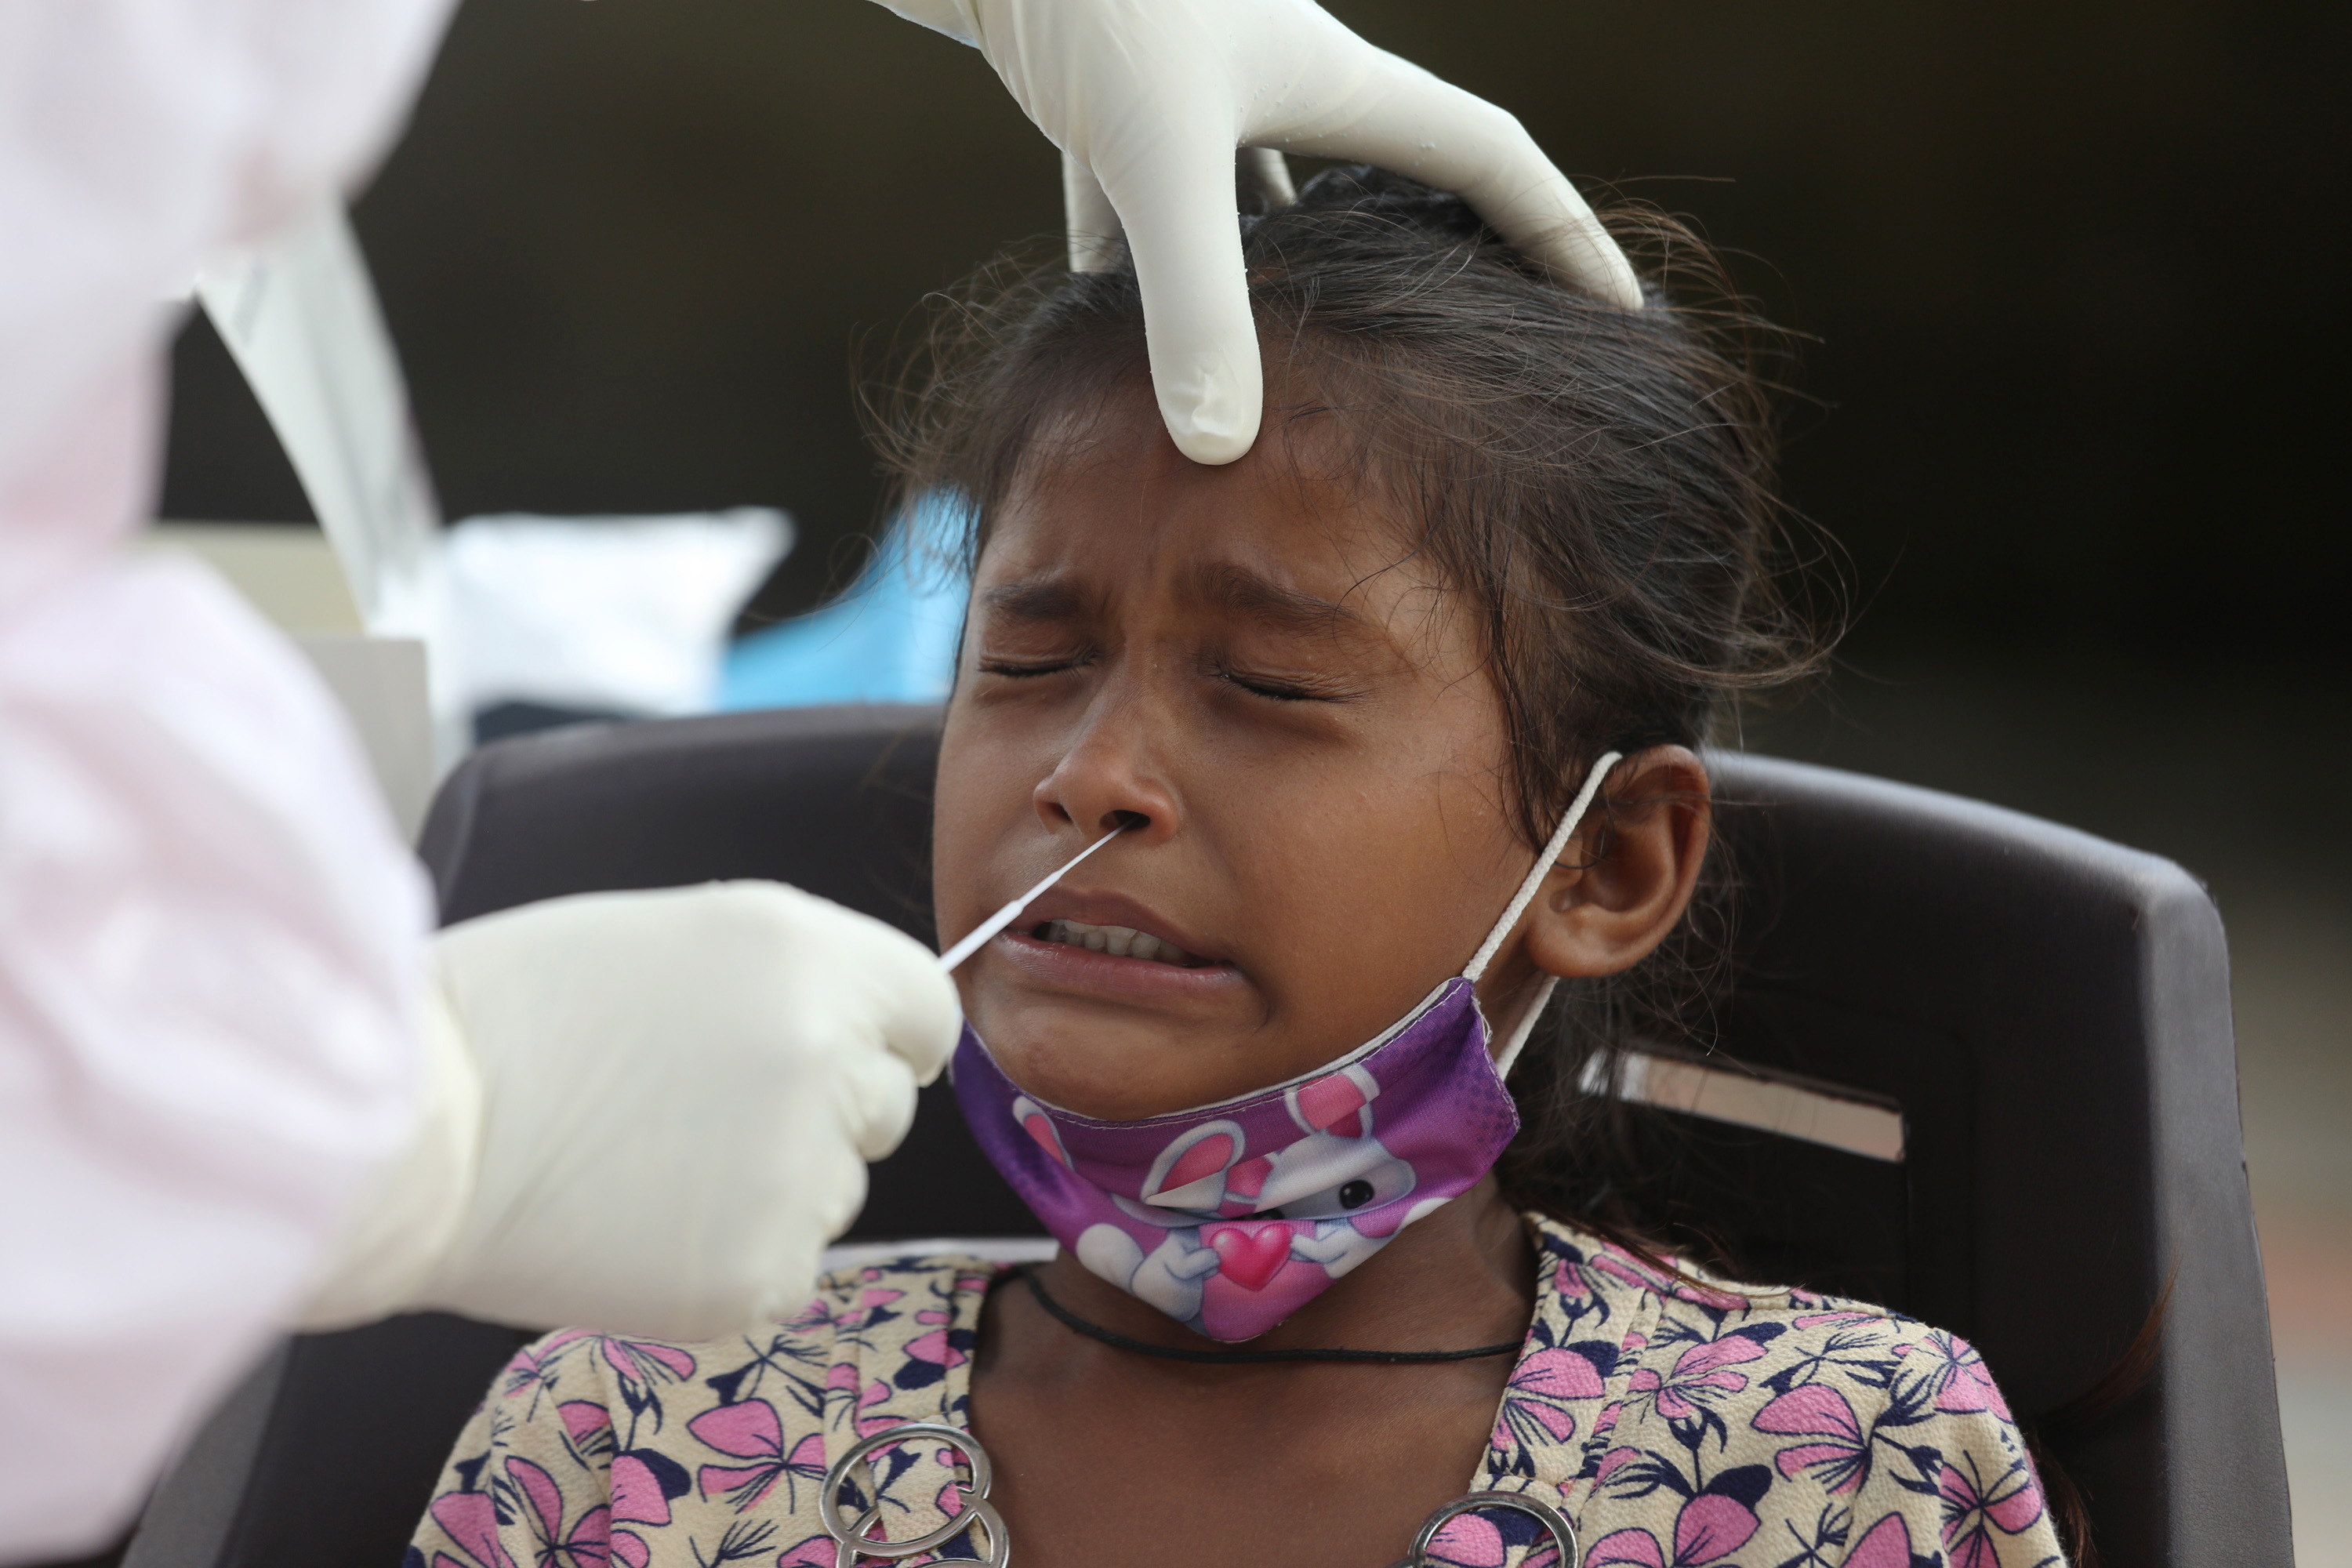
<point>1626,876</point>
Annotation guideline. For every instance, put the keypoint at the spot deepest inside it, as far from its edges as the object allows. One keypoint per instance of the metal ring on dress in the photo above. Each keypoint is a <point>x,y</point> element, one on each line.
<point>1563,1534</point>
<point>978,1512</point>
<point>853,1540</point>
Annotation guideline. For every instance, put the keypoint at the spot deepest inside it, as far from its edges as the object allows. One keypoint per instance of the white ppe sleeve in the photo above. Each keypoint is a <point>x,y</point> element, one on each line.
<point>1149,100</point>
<point>211,939</point>
<point>210,944</point>
<point>139,138</point>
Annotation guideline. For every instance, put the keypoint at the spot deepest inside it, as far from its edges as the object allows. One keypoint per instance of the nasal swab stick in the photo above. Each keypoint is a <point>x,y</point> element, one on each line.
<point>1011,911</point>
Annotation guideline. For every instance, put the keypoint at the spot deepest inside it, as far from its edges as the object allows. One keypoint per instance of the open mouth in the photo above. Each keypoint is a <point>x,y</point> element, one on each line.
<point>1119,942</point>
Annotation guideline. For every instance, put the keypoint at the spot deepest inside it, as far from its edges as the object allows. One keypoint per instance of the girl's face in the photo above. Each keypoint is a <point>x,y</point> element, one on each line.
<point>1246,664</point>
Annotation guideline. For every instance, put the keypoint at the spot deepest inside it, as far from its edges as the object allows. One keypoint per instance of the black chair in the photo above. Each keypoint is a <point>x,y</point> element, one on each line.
<point>2047,1013</point>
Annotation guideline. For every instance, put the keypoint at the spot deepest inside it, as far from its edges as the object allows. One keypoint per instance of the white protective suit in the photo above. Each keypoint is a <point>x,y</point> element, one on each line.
<point>240,1087</point>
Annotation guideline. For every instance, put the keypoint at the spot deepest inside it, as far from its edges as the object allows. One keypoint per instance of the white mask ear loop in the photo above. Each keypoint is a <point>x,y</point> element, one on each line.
<point>1525,1026</point>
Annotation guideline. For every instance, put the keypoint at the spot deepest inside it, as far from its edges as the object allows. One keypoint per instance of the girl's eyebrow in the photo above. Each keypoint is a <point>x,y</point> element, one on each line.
<point>1038,599</point>
<point>1242,592</point>
<point>1234,589</point>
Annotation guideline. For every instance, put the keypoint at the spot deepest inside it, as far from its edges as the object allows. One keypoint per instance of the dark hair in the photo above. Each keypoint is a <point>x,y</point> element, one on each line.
<point>1596,482</point>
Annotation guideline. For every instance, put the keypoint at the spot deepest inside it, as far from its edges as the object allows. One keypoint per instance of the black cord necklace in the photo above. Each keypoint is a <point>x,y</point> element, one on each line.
<point>1117,1340</point>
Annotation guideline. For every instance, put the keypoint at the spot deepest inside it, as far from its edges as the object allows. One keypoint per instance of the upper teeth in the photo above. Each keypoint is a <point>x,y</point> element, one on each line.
<point>1124,942</point>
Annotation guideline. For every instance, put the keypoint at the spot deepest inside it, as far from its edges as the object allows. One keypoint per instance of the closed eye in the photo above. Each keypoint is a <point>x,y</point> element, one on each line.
<point>1277,690</point>
<point>1021,671</point>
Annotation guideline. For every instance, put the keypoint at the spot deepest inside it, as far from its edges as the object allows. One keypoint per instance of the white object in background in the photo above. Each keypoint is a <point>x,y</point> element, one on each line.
<point>288,572</point>
<point>291,577</point>
<point>1749,1096</point>
<point>1149,102</point>
<point>385,688</point>
<point>300,316</point>
<point>617,614</point>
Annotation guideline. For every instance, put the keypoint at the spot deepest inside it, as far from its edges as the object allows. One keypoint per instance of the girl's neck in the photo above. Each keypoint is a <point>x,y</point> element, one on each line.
<point>1106,1458</point>
<point>1461,1277</point>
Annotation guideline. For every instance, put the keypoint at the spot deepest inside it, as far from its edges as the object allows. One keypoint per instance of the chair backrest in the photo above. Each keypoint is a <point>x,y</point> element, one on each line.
<point>2046,1013</point>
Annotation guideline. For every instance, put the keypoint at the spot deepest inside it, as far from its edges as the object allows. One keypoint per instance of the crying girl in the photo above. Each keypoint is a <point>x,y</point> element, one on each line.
<point>1391,728</point>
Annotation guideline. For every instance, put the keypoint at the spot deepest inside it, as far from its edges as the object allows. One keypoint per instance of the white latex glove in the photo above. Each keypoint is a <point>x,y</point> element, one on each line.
<point>1152,97</point>
<point>651,1111</point>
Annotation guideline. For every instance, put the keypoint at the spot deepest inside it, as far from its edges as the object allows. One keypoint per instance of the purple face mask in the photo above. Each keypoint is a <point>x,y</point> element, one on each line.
<point>1229,1218</point>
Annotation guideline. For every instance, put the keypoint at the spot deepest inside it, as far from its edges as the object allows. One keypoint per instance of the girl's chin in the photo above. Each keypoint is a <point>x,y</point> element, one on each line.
<point>1082,971</point>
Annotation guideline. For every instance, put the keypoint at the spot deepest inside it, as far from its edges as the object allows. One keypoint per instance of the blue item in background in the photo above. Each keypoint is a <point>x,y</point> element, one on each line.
<point>890,638</point>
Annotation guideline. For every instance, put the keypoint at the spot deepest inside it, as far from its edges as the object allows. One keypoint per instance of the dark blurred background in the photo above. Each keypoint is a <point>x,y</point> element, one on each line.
<point>2072,407</point>
<point>2078,365</point>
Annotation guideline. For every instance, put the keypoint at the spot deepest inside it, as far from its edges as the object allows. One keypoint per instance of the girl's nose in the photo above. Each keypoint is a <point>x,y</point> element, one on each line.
<point>1108,779</point>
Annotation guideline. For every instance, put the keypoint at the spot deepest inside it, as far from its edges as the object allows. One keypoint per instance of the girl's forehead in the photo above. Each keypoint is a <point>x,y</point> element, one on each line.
<point>1114,501</point>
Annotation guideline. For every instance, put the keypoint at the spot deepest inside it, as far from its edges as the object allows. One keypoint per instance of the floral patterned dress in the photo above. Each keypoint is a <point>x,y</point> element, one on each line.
<point>1678,1424</point>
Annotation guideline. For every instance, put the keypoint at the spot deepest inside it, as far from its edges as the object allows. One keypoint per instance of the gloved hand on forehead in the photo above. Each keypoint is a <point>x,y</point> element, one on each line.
<point>1148,101</point>
<point>648,1112</point>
